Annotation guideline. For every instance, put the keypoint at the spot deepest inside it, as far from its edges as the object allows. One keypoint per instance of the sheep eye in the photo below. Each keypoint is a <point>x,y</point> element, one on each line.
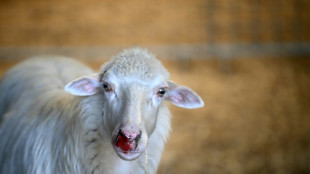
<point>106,87</point>
<point>161,92</point>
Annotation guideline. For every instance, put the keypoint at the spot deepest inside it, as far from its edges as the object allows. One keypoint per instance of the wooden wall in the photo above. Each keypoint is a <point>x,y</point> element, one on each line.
<point>160,22</point>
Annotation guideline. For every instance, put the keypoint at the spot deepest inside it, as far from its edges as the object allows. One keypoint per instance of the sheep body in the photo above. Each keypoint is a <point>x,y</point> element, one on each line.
<point>49,138</point>
<point>35,134</point>
<point>44,129</point>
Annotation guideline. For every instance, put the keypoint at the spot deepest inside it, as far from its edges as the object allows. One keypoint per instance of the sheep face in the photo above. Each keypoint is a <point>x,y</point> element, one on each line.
<point>131,112</point>
<point>133,86</point>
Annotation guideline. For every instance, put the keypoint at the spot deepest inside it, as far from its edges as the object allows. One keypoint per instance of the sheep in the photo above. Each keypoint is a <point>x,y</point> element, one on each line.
<point>58,116</point>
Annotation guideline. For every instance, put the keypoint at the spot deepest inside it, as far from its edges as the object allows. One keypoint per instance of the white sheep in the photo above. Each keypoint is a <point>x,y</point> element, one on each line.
<point>114,121</point>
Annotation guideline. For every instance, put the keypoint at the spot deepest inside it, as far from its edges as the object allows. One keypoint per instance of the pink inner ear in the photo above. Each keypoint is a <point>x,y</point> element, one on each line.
<point>177,98</point>
<point>184,97</point>
<point>89,87</point>
<point>83,87</point>
<point>191,97</point>
<point>80,83</point>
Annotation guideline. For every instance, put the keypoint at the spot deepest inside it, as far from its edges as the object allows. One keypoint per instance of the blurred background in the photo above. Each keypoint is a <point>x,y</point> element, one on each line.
<point>248,59</point>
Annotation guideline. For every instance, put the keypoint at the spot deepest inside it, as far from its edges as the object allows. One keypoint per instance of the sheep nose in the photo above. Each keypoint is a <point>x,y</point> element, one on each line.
<point>130,133</point>
<point>127,140</point>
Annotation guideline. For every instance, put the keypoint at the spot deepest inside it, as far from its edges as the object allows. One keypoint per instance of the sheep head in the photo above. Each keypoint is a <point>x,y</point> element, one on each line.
<point>134,85</point>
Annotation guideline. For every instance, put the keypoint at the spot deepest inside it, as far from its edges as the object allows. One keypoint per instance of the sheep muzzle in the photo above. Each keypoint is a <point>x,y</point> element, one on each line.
<point>126,142</point>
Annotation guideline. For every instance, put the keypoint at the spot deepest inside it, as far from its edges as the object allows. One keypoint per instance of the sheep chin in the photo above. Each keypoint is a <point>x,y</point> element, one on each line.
<point>128,155</point>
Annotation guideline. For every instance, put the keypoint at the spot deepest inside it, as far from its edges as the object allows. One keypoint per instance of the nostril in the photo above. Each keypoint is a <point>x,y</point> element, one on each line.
<point>130,134</point>
<point>138,137</point>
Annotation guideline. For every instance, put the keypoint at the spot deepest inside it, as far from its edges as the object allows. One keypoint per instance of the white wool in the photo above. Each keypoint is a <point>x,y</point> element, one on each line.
<point>45,130</point>
<point>137,62</point>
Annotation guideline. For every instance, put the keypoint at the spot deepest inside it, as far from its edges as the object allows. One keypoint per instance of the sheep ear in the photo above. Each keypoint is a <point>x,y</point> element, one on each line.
<point>183,96</point>
<point>84,86</point>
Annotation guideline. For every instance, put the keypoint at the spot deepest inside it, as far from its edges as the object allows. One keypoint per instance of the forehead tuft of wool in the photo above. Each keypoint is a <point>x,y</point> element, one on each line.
<point>139,63</point>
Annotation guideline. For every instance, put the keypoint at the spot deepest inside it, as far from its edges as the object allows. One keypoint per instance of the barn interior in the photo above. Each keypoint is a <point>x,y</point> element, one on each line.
<point>248,60</point>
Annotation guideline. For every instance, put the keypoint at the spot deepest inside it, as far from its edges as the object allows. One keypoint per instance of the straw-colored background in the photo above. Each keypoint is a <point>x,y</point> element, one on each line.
<point>257,113</point>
